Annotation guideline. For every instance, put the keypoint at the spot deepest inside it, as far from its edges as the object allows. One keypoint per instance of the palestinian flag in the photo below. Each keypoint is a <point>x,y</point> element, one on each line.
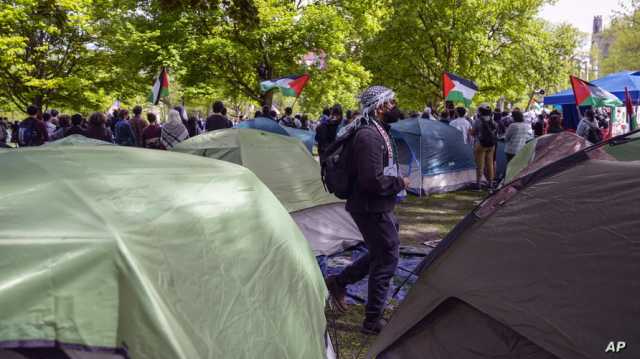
<point>631,115</point>
<point>291,86</point>
<point>588,94</point>
<point>160,87</point>
<point>457,89</point>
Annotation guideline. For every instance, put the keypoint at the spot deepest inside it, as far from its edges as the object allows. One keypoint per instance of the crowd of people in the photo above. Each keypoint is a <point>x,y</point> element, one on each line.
<point>118,127</point>
<point>482,131</point>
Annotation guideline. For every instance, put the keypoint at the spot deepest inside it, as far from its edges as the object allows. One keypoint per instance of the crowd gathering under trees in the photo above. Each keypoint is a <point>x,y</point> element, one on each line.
<point>99,51</point>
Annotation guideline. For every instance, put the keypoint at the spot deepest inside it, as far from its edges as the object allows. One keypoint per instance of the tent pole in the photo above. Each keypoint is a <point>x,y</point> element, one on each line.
<point>420,156</point>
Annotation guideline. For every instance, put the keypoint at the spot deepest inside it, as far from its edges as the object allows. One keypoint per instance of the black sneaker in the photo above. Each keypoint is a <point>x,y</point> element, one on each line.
<point>373,327</point>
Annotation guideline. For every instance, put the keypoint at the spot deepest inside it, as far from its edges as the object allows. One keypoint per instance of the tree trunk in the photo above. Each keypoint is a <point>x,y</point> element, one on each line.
<point>267,99</point>
<point>37,101</point>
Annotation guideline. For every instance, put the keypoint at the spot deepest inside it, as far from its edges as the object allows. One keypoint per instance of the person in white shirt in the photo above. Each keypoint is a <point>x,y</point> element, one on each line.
<point>462,124</point>
<point>51,128</point>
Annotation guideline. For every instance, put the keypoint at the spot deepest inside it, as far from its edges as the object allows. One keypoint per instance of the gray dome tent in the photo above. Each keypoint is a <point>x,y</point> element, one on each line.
<point>548,267</point>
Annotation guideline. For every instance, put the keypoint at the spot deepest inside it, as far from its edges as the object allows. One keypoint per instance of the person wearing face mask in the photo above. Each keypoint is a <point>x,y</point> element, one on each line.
<point>375,185</point>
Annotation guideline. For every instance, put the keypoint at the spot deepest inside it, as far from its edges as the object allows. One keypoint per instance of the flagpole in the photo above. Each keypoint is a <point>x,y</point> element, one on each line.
<point>294,102</point>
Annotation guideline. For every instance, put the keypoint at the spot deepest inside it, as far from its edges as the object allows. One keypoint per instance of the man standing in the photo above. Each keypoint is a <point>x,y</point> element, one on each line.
<point>151,134</point>
<point>76,126</point>
<point>462,124</point>
<point>51,128</point>
<point>287,119</point>
<point>588,127</point>
<point>32,131</point>
<point>138,124</point>
<point>327,131</point>
<point>217,120</point>
<point>375,185</point>
<point>124,134</point>
<point>484,131</point>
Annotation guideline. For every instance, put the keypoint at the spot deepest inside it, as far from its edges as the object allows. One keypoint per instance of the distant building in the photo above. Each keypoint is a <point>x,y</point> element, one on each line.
<point>600,43</point>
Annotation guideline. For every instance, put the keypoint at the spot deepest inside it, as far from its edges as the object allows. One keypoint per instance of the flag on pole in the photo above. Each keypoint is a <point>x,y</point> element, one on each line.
<point>290,86</point>
<point>160,87</point>
<point>458,89</point>
<point>588,94</point>
<point>631,115</point>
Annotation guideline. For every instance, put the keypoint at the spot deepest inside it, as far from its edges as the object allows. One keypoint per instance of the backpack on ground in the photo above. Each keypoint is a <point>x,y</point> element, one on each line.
<point>487,135</point>
<point>27,133</point>
<point>334,164</point>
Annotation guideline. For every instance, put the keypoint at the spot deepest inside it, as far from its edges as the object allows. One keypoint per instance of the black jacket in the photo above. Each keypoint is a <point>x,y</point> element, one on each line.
<point>373,192</point>
<point>326,135</point>
<point>217,122</point>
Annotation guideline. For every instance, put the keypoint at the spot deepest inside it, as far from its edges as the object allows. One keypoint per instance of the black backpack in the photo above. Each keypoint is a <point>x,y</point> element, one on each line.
<point>487,136</point>
<point>334,164</point>
<point>27,133</point>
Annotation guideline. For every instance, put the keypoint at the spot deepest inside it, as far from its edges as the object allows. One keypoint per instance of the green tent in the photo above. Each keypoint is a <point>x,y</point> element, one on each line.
<point>150,254</point>
<point>624,148</point>
<point>77,140</point>
<point>292,174</point>
<point>550,148</point>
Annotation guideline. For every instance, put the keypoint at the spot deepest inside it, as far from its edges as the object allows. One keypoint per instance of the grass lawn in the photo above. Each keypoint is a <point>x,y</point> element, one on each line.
<point>421,219</point>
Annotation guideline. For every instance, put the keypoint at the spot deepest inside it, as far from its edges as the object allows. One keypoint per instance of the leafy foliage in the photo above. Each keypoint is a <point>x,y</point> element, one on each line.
<point>500,44</point>
<point>624,52</point>
<point>83,54</point>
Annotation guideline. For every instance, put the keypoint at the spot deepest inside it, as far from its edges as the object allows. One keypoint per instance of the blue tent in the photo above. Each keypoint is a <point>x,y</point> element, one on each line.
<point>433,155</point>
<point>307,137</point>
<point>614,83</point>
<point>264,124</point>
<point>268,125</point>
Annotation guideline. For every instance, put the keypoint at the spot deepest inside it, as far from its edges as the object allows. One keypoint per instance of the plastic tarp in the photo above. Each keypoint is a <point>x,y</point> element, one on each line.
<point>431,149</point>
<point>264,124</point>
<point>568,283</point>
<point>77,140</point>
<point>152,254</point>
<point>290,172</point>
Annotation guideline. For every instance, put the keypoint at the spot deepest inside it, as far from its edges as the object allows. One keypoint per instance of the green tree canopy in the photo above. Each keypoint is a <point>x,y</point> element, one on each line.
<point>500,44</point>
<point>48,53</point>
<point>624,52</point>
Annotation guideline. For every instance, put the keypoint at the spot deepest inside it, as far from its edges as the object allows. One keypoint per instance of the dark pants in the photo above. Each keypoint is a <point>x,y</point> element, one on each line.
<point>509,157</point>
<point>380,233</point>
